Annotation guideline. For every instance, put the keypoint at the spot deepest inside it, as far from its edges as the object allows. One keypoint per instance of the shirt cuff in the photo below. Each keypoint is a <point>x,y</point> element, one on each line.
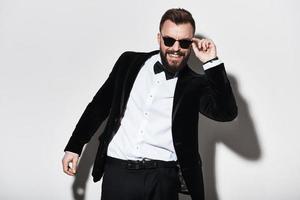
<point>212,63</point>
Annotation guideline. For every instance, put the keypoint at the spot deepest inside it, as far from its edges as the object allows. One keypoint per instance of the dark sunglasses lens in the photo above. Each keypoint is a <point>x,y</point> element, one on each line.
<point>185,43</point>
<point>169,41</point>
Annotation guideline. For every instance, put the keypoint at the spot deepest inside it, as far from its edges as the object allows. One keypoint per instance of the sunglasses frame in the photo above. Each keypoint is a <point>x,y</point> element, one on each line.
<point>183,43</point>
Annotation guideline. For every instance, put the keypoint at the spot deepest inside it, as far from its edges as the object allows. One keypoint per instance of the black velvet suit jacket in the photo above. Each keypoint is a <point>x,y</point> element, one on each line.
<point>209,94</point>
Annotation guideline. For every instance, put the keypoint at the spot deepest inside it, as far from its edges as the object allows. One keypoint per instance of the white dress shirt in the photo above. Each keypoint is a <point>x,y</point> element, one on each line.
<point>145,130</point>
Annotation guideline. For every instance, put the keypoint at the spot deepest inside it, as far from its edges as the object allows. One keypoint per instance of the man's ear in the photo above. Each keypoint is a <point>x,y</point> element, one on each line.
<point>158,38</point>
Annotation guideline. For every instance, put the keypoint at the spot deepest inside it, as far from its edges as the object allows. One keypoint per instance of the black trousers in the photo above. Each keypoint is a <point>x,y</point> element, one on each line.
<point>154,183</point>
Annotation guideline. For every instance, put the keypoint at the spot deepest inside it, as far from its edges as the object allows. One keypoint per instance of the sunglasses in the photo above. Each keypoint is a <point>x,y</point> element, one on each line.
<point>184,43</point>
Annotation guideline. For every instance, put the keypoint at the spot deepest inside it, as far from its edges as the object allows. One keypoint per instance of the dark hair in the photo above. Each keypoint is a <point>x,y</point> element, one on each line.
<point>177,16</point>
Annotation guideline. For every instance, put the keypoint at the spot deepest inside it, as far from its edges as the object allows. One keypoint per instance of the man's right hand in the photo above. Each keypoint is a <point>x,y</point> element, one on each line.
<point>69,163</point>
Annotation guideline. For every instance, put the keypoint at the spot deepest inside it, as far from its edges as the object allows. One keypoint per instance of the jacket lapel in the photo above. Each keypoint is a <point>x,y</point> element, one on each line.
<point>179,90</point>
<point>130,76</point>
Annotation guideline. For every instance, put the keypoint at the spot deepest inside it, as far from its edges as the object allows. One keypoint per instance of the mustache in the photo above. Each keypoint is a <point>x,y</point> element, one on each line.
<point>175,52</point>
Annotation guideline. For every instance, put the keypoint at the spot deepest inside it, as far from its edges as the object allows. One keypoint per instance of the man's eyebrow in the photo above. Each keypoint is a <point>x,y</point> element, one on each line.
<point>186,38</point>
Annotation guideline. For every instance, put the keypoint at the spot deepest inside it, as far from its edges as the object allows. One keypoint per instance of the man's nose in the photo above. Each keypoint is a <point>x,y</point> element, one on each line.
<point>176,46</point>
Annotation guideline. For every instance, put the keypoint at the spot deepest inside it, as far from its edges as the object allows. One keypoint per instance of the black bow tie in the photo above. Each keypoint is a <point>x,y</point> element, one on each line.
<point>159,68</point>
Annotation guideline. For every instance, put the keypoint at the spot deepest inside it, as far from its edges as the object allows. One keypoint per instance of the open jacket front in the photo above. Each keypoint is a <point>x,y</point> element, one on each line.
<point>209,94</point>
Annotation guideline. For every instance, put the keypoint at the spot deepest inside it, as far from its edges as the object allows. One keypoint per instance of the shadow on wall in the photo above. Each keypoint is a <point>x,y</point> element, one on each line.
<point>85,165</point>
<point>239,135</point>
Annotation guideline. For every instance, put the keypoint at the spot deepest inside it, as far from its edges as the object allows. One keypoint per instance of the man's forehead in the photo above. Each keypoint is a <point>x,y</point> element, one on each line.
<point>184,30</point>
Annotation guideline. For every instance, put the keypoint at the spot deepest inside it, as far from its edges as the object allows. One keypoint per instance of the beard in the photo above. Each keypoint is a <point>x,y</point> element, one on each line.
<point>174,66</point>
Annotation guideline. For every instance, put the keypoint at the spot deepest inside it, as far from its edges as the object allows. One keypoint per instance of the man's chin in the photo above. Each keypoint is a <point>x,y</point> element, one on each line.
<point>174,66</point>
<point>174,62</point>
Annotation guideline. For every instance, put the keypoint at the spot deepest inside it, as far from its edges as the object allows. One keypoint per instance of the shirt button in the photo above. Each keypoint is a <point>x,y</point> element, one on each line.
<point>141,131</point>
<point>146,113</point>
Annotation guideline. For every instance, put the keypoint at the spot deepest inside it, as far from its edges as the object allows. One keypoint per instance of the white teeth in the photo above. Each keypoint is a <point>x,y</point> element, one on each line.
<point>174,55</point>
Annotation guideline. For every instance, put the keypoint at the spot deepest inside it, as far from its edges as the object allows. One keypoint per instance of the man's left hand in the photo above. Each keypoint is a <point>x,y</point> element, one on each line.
<point>204,49</point>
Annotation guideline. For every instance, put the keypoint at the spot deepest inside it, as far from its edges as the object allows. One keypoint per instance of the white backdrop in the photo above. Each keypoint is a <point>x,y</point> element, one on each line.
<point>54,55</point>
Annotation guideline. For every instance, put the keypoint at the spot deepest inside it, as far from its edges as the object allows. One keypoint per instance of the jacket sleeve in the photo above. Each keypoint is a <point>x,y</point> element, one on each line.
<point>217,101</point>
<point>95,113</point>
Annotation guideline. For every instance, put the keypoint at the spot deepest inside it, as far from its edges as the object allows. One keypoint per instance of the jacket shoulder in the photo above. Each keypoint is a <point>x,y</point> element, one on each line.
<point>136,53</point>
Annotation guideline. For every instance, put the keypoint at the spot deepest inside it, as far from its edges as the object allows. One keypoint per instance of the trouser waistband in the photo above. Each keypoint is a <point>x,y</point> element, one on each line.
<point>141,164</point>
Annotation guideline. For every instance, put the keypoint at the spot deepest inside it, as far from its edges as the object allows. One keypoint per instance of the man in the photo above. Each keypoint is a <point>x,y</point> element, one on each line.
<point>152,101</point>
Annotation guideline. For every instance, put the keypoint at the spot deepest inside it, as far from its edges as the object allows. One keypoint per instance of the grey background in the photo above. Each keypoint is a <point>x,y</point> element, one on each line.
<point>54,55</point>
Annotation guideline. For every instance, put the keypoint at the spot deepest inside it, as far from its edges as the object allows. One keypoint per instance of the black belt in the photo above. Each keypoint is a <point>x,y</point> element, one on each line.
<point>140,164</point>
